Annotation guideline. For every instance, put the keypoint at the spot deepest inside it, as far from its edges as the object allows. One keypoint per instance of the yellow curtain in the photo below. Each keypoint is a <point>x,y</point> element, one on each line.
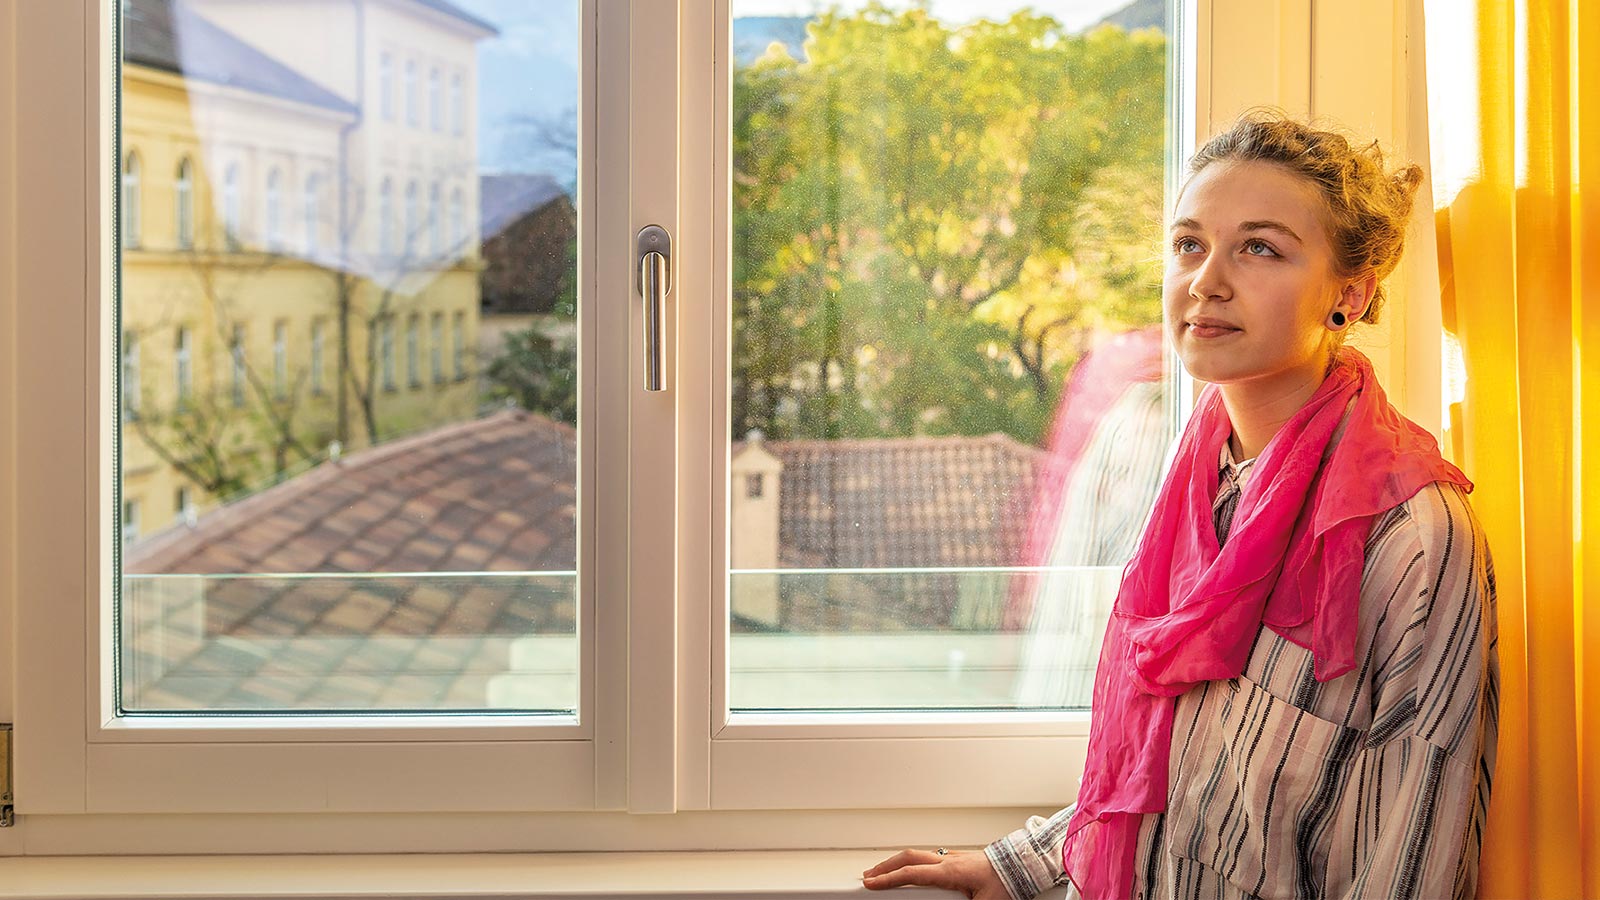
<point>1514,107</point>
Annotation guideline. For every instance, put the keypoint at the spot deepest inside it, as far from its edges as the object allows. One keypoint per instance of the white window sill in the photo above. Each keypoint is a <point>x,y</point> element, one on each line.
<point>741,874</point>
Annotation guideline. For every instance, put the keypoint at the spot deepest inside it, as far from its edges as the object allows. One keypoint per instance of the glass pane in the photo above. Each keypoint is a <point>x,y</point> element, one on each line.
<point>347,455</point>
<point>950,401</point>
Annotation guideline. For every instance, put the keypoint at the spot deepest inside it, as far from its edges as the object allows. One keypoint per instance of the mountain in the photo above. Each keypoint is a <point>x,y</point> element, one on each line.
<point>1139,14</point>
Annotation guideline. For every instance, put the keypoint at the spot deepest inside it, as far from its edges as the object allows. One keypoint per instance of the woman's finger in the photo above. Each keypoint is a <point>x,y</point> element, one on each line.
<point>901,859</point>
<point>926,875</point>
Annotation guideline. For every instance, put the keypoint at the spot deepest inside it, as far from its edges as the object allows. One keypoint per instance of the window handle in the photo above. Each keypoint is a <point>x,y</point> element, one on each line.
<point>655,282</point>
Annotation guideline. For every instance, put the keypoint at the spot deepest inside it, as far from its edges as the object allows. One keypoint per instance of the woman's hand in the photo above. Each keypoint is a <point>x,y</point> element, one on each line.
<point>969,873</point>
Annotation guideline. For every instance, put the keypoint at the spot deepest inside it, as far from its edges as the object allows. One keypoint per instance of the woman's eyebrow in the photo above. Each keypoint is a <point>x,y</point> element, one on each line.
<point>1269,225</point>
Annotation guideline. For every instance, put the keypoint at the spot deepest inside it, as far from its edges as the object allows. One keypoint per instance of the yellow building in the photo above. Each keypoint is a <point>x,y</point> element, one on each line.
<point>300,252</point>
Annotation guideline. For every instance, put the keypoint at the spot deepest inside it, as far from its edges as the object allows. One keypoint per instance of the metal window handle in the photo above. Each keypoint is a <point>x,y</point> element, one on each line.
<point>655,282</point>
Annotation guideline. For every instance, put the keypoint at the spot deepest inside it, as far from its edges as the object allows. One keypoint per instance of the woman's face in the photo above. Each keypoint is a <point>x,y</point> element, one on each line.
<point>1250,277</point>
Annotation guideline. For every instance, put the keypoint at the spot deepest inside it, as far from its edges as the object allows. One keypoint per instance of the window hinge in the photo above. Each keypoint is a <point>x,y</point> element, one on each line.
<point>6,815</point>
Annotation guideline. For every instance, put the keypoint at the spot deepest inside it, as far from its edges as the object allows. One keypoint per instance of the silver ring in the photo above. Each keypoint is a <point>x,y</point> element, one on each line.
<point>942,851</point>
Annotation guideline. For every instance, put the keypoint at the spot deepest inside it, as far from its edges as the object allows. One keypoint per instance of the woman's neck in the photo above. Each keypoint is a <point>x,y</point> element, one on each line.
<point>1258,409</point>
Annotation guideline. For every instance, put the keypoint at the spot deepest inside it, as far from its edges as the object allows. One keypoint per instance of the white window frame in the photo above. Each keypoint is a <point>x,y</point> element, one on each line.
<point>317,329</point>
<point>88,782</point>
<point>132,196</point>
<point>183,200</point>
<point>414,351</point>
<point>312,210</point>
<point>280,359</point>
<point>272,205</point>
<point>413,102</point>
<point>435,99</point>
<point>132,377</point>
<point>436,346</point>
<point>386,85</point>
<point>458,108</point>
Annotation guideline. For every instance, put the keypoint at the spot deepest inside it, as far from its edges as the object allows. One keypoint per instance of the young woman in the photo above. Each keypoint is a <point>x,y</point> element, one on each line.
<point>1297,692</point>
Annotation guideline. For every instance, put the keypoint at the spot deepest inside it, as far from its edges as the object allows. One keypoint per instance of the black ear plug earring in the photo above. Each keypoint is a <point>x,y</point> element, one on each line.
<point>1338,319</point>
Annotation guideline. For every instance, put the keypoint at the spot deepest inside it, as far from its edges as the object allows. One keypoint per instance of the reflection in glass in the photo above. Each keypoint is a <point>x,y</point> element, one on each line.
<point>298,533</point>
<point>949,404</point>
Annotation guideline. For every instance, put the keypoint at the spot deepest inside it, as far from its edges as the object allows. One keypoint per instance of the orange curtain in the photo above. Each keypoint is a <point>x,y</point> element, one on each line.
<point>1514,107</point>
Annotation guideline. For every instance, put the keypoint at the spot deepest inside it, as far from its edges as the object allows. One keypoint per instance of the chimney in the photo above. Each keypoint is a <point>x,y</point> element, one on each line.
<point>753,477</point>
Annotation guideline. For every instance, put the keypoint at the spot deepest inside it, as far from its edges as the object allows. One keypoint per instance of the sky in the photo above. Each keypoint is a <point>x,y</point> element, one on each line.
<point>530,71</point>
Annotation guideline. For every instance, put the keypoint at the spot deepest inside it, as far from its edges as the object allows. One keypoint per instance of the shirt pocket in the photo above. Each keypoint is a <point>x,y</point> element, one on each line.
<point>1252,799</point>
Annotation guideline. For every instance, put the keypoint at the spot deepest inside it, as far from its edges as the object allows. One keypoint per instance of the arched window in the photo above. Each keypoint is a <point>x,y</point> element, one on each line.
<point>412,236</point>
<point>386,85</point>
<point>130,200</point>
<point>313,211</point>
<point>386,218</point>
<point>435,222</point>
<point>230,205</point>
<point>274,210</point>
<point>435,100</point>
<point>183,195</point>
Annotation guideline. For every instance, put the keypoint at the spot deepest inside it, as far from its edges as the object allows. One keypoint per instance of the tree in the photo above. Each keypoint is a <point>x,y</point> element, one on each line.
<point>929,221</point>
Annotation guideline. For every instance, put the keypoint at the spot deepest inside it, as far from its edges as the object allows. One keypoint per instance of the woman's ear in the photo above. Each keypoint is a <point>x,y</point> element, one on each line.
<point>1356,297</point>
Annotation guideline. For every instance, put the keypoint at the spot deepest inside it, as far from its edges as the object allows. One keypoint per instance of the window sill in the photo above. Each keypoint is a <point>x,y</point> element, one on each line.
<point>741,874</point>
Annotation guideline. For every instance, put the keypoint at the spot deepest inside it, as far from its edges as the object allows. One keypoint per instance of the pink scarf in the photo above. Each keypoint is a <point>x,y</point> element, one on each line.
<point>1189,610</point>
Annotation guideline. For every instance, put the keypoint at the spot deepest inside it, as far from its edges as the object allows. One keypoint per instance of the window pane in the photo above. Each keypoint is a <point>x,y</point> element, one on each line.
<point>306,526</point>
<point>950,401</point>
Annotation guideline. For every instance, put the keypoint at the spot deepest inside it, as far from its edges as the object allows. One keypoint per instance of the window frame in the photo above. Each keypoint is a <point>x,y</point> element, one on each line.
<point>79,768</point>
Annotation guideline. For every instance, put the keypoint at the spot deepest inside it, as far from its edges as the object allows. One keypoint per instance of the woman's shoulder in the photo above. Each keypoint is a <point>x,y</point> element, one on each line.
<point>1437,521</point>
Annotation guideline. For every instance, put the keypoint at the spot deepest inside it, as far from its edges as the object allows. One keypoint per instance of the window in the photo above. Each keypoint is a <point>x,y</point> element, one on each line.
<point>374,688</point>
<point>231,214</point>
<point>458,349</point>
<point>183,506</point>
<point>386,218</point>
<point>436,346</point>
<point>280,360</point>
<point>458,225</point>
<point>274,211</point>
<point>435,101</point>
<point>414,351</point>
<point>237,365</point>
<point>183,367</point>
<point>411,238</point>
<point>386,85</point>
<point>386,351</point>
<point>458,110</point>
<point>130,375</point>
<point>316,357</point>
<point>184,203</point>
<point>130,201</point>
<point>313,211</point>
<point>130,521</point>
<point>413,113</point>
<point>435,222</point>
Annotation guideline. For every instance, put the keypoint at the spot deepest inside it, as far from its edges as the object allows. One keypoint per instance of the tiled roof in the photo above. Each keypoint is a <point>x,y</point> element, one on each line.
<point>896,502</point>
<point>505,199</point>
<point>162,35</point>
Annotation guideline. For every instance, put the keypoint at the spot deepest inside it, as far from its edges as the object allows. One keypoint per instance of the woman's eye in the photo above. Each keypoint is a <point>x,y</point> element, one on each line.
<point>1259,248</point>
<point>1185,245</point>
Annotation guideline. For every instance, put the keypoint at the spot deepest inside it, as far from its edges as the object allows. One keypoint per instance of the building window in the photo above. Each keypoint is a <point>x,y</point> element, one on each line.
<point>435,101</point>
<point>183,194</point>
<point>230,206</point>
<point>412,235</point>
<point>386,85</point>
<point>236,356</point>
<point>386,218</point>
<point>316,356</point>
<point>458,349</point>
<point>436,346</point>
<point>183,366</point>
<point>414,351</point>
<point>313,213</point>
<point>130,521</point>
<point>183,506</point>
<point>280,360</point>
<point>753,486</point>
<point>130,375</point>
<point>458,224</point>
<point>274,210</point>
<point>130,200</point>
<point>413,114</point>
<point>435,222</point>
<point>458,109</point>
<point>386,351</point>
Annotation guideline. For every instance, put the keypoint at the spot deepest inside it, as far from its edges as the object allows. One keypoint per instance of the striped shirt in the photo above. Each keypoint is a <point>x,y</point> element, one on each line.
<point>1372,784</point>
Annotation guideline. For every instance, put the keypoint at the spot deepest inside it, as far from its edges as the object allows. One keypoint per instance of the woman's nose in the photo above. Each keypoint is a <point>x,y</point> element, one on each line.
<point>1210,281</point>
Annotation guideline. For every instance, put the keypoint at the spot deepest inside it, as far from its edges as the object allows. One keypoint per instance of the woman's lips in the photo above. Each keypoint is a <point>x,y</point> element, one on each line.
<point>1211,331</point>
